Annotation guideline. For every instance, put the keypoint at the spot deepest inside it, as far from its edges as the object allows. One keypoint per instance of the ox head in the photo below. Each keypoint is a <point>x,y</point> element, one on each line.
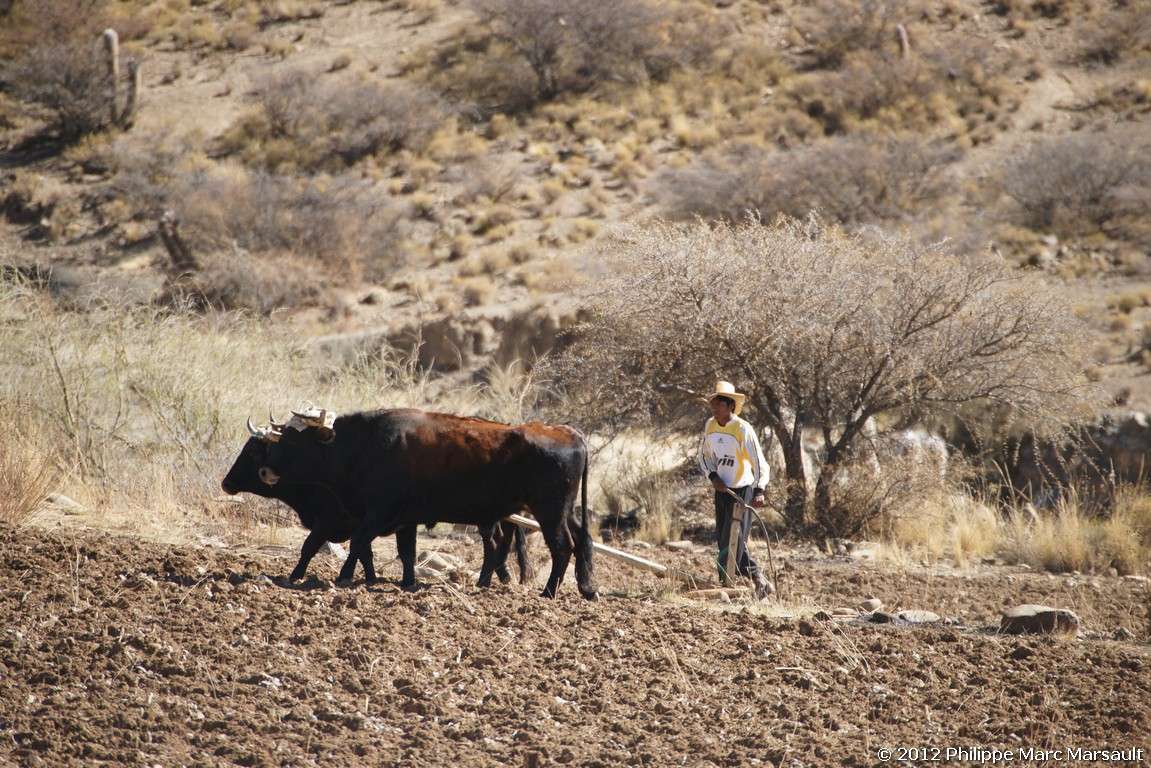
<point>244,476</point>
<point>294,451</point>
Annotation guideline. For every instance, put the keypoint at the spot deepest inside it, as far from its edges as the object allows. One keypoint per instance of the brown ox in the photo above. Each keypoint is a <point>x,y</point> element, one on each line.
<point>406,467</point>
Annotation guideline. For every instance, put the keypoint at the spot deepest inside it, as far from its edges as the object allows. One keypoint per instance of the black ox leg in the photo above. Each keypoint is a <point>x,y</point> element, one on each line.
<point>406,548</point>
<point>311,546</point>
<point>360,551</point>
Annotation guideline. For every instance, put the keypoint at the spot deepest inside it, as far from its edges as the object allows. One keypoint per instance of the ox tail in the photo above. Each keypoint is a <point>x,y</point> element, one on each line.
<point>585,567</point>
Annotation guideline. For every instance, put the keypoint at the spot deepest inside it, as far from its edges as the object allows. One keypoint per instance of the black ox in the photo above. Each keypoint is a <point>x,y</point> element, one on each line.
<point>407,467</point>
<point>329,517</point>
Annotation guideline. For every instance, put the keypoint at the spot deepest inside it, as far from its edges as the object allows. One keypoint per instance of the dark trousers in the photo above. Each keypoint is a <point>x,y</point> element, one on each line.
<point>728,514</point>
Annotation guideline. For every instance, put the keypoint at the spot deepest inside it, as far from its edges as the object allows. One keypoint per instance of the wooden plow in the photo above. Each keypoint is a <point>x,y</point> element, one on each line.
<point>701,587</point>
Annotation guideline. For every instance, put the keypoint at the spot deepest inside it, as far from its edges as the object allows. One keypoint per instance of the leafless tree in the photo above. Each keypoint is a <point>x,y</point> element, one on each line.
<point>822,328</point>
<point>565,42</point>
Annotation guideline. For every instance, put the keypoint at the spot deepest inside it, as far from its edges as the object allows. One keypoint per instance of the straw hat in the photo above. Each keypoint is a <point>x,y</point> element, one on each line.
<point>727,389</point>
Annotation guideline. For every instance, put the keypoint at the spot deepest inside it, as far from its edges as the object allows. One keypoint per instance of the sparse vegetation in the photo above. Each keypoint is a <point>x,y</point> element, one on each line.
<point>455,156</point>
<point>569,45</point>
<point>826,329</point>
<point>1083,185</point>
<point>1070,538</point>
<point>68,83</point>
<point>304,124</point>
<point>852,180</point>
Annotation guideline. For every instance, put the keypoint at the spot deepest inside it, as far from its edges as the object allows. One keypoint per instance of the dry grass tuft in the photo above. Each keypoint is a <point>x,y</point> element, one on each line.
<point>945,525</point>
<point>1069,539</point>
<point>28,469</point>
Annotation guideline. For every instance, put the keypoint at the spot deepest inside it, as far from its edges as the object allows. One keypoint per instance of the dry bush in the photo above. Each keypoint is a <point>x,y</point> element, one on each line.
<point>891,64</point>
<point>520,53</point>
<point>1077,185</point>
<point>309,124</point>
<point>260,283</point>
<point>1120,33</point>
<point>29,468</point>
<point>30,23</point>
<point>342,226</point>
<point>145,168</point>
<point>853,180</point>
<point>832,30</point>
<point>66,84</point>
<point>1067,538</point>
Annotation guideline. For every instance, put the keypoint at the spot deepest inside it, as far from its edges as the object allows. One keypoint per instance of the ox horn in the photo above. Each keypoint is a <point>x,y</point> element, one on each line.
<point>272,422</point>
<point>267,434</point>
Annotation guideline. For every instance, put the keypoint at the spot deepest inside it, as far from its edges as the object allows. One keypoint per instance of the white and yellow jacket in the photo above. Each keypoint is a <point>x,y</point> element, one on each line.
<point>733,452</point>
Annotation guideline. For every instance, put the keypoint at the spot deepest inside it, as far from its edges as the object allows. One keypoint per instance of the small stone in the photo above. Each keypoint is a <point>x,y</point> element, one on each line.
<point>1038,620</point>
<point>871,605</point>
<point>919,617</point>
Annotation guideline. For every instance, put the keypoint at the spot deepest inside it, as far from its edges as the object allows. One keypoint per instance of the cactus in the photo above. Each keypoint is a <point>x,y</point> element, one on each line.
<point>120,116</point>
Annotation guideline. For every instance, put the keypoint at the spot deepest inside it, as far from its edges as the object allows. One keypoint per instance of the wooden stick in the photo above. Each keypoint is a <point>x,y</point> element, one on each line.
<point>639,562</point>
<point>716,592</point>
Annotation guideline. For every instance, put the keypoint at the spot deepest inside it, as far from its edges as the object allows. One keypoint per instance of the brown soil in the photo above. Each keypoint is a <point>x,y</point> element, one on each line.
<point>117,651</point>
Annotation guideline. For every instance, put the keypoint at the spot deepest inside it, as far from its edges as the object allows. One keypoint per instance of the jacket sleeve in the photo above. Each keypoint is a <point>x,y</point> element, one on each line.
<point>706,457</point>
<point>760,467</point>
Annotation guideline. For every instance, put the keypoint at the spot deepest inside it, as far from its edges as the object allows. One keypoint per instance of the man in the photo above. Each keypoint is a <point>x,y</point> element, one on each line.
<point>731,457</point>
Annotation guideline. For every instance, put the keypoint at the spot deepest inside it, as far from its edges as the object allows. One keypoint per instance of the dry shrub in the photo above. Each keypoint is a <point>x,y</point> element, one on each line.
<point>945,524</point>
<point>67,84</point>
<point>302,122</point>
<point>833,30</point>
<point>1077,185</point>
<point>572,45</point>
<point>260,283</point>
<point>1121,32</point>
<point>522,53</point>
<point>342,226</point>
<point>865,75</point>
<point>854,180</point>
<point>494,181</point>
<point>29,23</point>
<point>28,468</point>
<point>1068,538</point>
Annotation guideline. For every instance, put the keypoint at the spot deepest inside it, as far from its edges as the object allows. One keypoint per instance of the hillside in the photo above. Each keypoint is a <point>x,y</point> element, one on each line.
<point>490,226</point>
